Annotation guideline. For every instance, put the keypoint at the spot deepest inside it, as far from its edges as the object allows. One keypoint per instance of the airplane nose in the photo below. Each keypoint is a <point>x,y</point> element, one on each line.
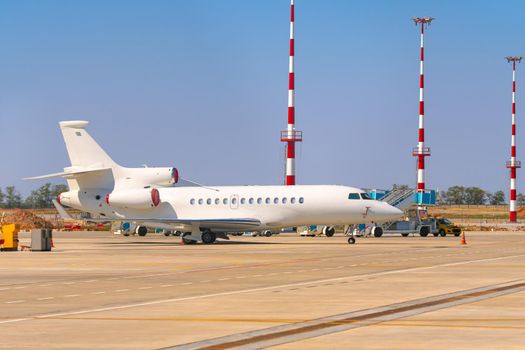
<point>389,212</point>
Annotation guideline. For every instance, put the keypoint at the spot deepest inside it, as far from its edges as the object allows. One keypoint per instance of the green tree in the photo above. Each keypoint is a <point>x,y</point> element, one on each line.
<point>58,189</point>
<point>497,198</point>
<point>474,196</point>
<point>12,198</point>
<point>43,196</point>
<point>456,195</point>
<point>2,198</point>
<point>399,187</point>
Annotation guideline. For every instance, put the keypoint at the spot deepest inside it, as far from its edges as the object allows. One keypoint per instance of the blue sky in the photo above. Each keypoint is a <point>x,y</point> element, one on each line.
<point>202,85</point>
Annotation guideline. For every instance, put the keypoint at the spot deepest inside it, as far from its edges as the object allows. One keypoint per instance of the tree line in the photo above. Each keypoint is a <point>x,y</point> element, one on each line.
<point>40,198</point>
<point>458,195</point>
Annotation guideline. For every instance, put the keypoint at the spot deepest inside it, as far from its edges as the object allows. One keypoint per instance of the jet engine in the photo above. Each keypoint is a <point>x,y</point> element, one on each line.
<point>140,177</point>
<point>143,198</point>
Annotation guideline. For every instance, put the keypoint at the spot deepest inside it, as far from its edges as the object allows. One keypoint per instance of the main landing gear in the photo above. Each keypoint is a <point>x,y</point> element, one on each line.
<point>207,237</point>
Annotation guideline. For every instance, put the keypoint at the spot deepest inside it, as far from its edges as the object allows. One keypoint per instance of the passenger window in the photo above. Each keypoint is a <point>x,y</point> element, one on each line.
<point>192,201</point>
<point>234,201</point>
<point>284,200</point>
<point>292,200</point>
<point>208,201</point>
<point>354,196</point>
<point>267,201</point>
<point>276,200</point>
<point>201,201</point>
<point>225,201</point>
<point>217,201</point>
<point>250,200</point>
<point>259,200</point>
<point>243,200</point>
<point>301,200</point>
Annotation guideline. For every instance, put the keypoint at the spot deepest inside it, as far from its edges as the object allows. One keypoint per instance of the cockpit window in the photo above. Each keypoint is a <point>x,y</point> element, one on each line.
<point>365,196</point>
<point>354,196</point>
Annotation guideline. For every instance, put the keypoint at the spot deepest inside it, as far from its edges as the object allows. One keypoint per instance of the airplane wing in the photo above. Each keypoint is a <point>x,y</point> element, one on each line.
<point>224,224</point>
<point>61,211</point>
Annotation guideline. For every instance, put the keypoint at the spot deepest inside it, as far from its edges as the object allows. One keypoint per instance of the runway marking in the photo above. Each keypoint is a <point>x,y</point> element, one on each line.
<point>68,282</point>
<point>252,290</point>
<point>147,287</point>
<point>289,333</point>
<point>46,298</point>
<point>121,290</point>
<point>166,285</point>
<point>21,287</point>
<point>223,279</point>
<point>71,295</point>
<point>14,301</point>
<point>96,293</point>
<point>89,281</point>
<point>205,281</point>
<point>186,283</point>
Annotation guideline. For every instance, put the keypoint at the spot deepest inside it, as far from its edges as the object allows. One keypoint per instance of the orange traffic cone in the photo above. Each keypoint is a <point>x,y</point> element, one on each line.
<point>463,239</point>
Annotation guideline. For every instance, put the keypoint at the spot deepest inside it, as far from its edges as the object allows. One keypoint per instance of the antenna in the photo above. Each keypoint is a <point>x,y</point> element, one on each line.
<point>513,164</point>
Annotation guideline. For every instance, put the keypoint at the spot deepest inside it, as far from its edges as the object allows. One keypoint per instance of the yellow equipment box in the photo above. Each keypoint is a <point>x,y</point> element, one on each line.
<point>9,234</point>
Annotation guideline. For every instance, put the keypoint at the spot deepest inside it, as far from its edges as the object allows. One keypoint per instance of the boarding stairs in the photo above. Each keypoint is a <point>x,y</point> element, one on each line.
<point>400,198</point>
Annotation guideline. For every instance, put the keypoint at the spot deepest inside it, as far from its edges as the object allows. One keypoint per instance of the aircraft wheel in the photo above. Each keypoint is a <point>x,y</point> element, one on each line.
<point>435,234</point>
<point>404,234</point>
<point>142,231</point>
<point>378,231</point>
<point>456,234</point>
<point>351,240</point>
<point>208,237</point>
<point>442,233</point>
<point>268,233</point>
<point>186,240</point>
<point>167,233</point>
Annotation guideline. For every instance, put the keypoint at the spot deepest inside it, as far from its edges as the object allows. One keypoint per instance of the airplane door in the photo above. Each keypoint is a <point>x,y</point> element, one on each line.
<point>234,201</point>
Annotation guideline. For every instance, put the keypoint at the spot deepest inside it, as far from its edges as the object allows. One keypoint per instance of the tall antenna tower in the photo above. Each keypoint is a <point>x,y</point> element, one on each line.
<point>290,135</point>
<point>421,151</point>
<point>513,164</point>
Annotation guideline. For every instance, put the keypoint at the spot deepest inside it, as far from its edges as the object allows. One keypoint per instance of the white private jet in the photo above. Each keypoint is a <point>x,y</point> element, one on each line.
<point>150,197</point>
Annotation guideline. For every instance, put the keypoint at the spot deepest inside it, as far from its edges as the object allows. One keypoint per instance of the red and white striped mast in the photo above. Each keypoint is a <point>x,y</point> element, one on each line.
<point>513,164</point>
<point>421,151</point>
<point>291,136</point>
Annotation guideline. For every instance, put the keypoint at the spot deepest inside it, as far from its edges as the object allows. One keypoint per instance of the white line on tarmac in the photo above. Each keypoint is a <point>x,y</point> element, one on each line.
<point>22,287</point>
<point>121,290</point>
<point>96,293</point>
<point>186,283</point>
<point>46,298</point>
<point>71,295</point>
<point>148,287</point>
<point>251,290</point>
<point>14,301</point>
<point>167,285</point>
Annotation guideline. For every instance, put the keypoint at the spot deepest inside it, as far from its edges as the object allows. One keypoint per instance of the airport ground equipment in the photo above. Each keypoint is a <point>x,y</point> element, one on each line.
<point>443,227</point>
<point>9,236</point>
<point>513,164</point>
<point>415,219</point>
<point>41,240</point>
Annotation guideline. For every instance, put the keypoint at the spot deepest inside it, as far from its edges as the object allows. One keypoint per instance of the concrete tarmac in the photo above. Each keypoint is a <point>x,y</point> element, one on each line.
<point>97,290</point>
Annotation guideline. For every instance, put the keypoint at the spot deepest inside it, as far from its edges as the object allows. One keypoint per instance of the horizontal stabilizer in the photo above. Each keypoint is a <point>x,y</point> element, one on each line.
<point>68,173</point>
